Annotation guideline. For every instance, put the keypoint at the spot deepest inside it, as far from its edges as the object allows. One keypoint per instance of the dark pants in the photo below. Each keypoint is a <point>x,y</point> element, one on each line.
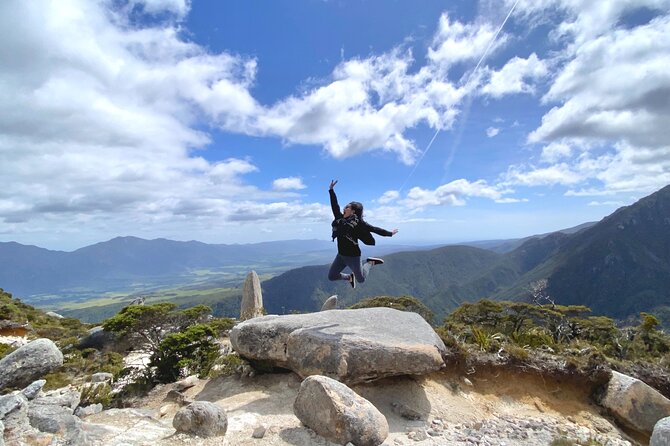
<point>354,264</point>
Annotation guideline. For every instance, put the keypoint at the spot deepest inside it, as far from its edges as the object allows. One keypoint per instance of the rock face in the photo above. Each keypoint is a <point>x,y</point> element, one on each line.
<point>351,346</point>
<point>661,434</point>
<point>30,362</point>
<point>337,413</point>
<point>201,418</point>
<point>330,303</point>
<point>634,403</point>
<point>97,338</point>
<point>252,298</point>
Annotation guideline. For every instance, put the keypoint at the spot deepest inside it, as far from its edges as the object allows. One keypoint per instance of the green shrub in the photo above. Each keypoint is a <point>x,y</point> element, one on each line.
<point>5,349</point>
<point>57,380</point>
<point>222,326</point>
<point>94,393</point>
<point>227,365</point>
<point>192,350</point>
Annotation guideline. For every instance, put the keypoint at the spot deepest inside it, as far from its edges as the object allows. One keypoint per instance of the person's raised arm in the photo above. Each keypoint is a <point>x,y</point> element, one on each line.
<point>337,213</point>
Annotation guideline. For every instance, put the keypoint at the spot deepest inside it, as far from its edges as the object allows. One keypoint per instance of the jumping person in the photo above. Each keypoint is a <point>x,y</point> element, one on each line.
<point>348,228</point>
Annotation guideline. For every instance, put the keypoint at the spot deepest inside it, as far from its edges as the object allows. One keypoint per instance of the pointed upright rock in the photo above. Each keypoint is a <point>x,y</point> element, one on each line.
<point>252,298</point>
<point>330,303</point>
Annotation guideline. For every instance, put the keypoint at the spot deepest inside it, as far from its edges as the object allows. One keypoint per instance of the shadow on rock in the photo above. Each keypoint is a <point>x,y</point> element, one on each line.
<point>399,398</point>
<point>301,436</point>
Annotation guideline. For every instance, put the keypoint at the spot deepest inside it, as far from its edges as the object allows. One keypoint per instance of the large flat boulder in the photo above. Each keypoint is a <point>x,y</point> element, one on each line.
<point>351,346</point>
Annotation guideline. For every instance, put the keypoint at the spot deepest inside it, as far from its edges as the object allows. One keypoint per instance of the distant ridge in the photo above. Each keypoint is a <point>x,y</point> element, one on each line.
<point>619,266</point>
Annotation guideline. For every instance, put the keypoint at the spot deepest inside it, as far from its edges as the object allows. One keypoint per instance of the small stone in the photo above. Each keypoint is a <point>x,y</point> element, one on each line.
<point>467,382</point>
<point>433,432</point>
<point>259,432</point>
<point>34,389</point>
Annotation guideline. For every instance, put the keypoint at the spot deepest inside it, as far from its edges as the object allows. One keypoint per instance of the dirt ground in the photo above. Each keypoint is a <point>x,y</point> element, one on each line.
<point>411,404</point>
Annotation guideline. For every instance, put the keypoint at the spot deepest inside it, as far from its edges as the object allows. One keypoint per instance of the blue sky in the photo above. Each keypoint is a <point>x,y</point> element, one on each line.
<point>224,122</point>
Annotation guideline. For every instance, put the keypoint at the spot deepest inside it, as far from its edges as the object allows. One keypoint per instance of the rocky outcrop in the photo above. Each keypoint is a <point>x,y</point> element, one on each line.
<point>634,404</point>
<point>201,418</point>
<point>252,298</point>
<point>97,338</point>
<point>349,345</point>
<point>29,423</point>
<point>661,434</point>
<point>32,361</point>
<point>337,413</point>
<point>66,397</point>
<point>330,303</point>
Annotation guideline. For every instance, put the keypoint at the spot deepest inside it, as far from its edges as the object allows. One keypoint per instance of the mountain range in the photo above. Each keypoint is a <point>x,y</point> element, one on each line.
<point>618,267</point>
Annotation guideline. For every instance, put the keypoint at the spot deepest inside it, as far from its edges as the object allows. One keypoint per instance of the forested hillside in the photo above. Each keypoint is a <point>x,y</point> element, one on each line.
<point>617,267</point>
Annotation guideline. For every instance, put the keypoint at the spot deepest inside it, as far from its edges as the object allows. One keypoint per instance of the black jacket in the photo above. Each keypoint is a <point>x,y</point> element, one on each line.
<point>348,231</point>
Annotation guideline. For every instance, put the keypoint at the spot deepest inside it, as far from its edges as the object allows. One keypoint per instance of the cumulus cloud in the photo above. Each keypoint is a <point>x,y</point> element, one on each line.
<point>492,131</point>
<point>289,183</point>
<point>607,130</point>
<point>388,197</point>
<point>98,120</point>
<point>454,193</point>
<point>516,77</point>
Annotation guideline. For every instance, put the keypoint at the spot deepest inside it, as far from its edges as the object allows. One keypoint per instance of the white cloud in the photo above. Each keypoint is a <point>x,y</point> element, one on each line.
<point>516,77</point>
<point>542,176</point>
<point>457,42</point>
<point>289,183</point>
<point>492,131</point>
<point>388,196</point>
<point>454,193</point>
<point>555,151</point>
<point>607,131</point>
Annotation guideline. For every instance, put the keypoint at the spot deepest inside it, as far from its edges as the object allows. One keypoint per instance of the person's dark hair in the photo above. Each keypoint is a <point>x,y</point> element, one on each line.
<point>357,208</point>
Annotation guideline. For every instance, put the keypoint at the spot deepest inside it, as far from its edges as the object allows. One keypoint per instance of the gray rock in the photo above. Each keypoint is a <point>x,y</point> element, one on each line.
<point>661,434</point>
<point>101,377</point>
<point>252,298</point>
<point>83,412</point>
<point>54,314</point>
<point>97,338</point>
<point>351,346</point>
<point>330,303</point>
<point>259,432</point>
<point>15,419</point>
<point>30,362</point>
<point>337,413</point>
<point>51,419</point>
<point>634,403</point>
<point>66,397</point>
<point>186,383</point>
<point>10,403</point>
<point>58,420</point>
<point>177,397</point>
<point>2,434</point>
<point>201,418</point>
<point>34,389</point>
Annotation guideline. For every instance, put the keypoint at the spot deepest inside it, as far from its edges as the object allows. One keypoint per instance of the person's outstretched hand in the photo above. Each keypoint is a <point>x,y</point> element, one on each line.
<point>332,184</point>
<point>394,232</point>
